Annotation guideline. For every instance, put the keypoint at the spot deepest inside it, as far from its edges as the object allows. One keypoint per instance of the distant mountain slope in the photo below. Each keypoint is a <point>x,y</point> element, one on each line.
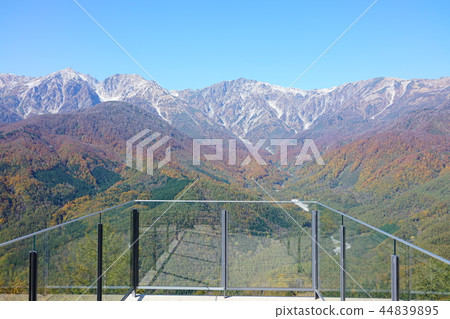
<point>254,109</point>
<point>68,91</point>
<point>50,160</point>
<point>62,91</point>
<point>55,167</point>
<point>396,177</point>
<point>244,108</point>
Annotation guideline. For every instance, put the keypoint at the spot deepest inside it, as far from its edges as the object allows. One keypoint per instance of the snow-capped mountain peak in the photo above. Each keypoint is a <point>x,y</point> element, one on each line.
<point>246,108</point>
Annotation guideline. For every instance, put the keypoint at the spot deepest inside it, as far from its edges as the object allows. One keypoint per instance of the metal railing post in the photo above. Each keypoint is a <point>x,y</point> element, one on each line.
<point>134,250</point>
<point>99,261</point>
<point>342,262</point>
<point>32,279</point>
<point>224,259</point>
<point>395,275</point>
<point>315,251</point>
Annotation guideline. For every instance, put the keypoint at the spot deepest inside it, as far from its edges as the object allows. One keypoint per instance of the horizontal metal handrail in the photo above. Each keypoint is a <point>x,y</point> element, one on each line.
<point>62,224</point>
<point>138,201</point>
<point>442,259</point>
<point>385,233</point>
<point>145,287</point>
<point>219,201</point>
<point>222,288</point>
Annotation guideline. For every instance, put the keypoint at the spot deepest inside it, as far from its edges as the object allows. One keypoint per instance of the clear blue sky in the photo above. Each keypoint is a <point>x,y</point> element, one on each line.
<point>193,44</point>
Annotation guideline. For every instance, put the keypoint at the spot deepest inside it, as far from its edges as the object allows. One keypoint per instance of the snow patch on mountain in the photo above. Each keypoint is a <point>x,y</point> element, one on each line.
<point>247,108</point>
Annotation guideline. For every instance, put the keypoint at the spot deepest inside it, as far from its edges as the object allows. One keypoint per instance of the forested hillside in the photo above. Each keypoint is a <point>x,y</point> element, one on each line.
<point>396,178</point>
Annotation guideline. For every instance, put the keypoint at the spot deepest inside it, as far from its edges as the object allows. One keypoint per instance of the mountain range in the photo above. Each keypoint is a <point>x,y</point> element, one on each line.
<point>243,108</point>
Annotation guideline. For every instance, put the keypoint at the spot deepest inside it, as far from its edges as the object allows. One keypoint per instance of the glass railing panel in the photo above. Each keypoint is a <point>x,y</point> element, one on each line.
<point>267,248</point>
<point>116,252</point>
<point>180,245</point>
<point>14,270</point>
<point>67,258</point>
<point>329,252</point>
<point>422,277</point>
<point>368,262</point>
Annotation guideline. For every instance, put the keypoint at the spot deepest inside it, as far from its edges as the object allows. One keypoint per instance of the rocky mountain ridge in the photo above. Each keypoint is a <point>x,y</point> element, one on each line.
<point>245,108</point>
